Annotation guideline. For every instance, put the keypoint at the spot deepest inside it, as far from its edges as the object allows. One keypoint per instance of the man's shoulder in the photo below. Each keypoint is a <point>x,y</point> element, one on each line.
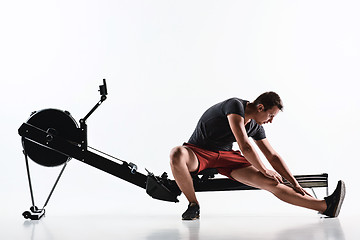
<point>236,101</point>
<point>256,131</point>
<point>234,105</point>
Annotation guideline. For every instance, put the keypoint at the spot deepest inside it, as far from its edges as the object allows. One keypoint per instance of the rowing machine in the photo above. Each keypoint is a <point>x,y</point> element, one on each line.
<point>51,137</point>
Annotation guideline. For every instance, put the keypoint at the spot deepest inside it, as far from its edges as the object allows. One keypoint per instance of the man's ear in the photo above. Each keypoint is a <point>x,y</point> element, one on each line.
<point>260,107</point>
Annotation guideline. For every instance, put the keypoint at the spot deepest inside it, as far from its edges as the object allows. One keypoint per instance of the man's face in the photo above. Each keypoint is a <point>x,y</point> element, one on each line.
<point>267,116</point>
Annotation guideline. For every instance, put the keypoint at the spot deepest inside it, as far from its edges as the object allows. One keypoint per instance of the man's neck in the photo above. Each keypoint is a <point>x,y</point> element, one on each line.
<point>249,113</point>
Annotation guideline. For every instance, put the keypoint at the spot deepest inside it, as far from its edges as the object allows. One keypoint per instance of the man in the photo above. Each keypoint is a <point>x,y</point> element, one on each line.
<point>210,146</point>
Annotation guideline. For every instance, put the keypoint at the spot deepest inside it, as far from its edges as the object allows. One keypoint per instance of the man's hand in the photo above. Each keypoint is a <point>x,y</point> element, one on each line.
<point>300,190</point>
<point>273,175</point>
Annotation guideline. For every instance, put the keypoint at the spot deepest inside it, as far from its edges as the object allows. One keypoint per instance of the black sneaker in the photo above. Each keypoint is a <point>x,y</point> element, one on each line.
<point>335,200</point>
<point>192,212</point>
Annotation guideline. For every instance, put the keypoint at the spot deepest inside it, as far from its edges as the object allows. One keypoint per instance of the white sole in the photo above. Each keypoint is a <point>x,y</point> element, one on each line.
<point>342,196</point>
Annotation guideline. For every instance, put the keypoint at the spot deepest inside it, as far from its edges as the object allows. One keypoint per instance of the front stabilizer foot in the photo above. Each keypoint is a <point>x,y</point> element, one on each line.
<point>34,213</point>
<point>156,189</point>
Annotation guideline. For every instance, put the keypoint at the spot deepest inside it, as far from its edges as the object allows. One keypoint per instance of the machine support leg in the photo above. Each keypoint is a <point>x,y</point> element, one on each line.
<point>29,179</point>
<point>35,213</point>
<point>53,188</point>
<point>327,191</point>
<point>314,193</point>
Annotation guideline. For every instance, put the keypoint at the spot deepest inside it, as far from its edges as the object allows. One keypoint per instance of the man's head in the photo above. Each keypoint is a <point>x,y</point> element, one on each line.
<point>269,100</point>
<point>267,106</point>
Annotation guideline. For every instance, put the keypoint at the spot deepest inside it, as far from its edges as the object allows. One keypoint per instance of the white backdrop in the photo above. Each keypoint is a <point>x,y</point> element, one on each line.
<point>166,62</point>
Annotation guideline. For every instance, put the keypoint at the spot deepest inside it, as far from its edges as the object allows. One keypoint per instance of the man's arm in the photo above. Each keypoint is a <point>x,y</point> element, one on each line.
<point>278,164</point>
<point>237,125</point>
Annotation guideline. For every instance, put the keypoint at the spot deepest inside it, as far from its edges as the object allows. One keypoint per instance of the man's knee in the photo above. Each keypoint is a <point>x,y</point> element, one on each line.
<point>177,155</point>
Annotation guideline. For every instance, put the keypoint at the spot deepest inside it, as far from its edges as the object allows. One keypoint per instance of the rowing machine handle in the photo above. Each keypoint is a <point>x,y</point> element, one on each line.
<point>103,89</point>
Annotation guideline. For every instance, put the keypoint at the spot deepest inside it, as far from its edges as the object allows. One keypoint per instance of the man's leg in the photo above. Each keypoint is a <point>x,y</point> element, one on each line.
<point>252,177</point>
<point>183,161</point>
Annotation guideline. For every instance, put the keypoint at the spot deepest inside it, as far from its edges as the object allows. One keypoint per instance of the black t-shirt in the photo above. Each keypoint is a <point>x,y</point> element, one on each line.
<point>213,130</point>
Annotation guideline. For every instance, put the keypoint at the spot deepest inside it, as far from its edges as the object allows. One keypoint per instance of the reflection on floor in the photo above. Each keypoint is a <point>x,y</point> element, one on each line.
<point>171,227</point>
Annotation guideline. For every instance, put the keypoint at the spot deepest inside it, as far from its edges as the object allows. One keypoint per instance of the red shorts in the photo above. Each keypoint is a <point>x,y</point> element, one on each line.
<point>224,161</point>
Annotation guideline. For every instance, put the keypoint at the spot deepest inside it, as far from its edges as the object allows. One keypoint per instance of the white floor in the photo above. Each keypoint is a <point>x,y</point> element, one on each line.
<point>171,227</point>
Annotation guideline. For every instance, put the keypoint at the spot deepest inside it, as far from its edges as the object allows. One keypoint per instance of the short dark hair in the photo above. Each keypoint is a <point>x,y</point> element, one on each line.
<point>269,100</point>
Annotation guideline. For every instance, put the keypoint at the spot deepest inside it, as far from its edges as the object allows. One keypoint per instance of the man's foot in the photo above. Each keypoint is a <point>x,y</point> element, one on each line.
<point>335,200</point>
<point>192,212</point>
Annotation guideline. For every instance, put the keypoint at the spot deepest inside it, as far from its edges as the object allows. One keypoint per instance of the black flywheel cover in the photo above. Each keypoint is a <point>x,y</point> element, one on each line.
<point>57,122</point>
